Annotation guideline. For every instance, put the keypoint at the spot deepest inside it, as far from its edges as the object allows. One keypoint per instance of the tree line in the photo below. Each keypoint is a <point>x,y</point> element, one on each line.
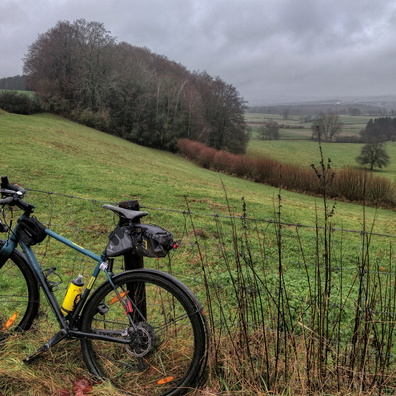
<point>79,70</point>
<point>379,130</point>
<point>15,83</point>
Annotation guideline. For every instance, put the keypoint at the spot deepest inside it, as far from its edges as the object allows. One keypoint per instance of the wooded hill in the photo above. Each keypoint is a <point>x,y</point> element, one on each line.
<point>80,71</point>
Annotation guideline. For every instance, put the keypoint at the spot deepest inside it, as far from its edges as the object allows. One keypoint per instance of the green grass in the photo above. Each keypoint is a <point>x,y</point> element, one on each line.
<point>296,146</point>
<point>304,152</point>
<point>48,153</point>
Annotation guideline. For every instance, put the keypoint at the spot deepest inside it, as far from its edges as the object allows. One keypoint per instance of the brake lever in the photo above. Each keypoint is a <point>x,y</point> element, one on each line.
<point>3,222</point>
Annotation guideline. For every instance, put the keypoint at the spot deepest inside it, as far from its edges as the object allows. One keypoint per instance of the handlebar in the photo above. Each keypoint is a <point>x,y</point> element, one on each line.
<point>6,201</point>
<point>6,185</point>
<point>12,195</point>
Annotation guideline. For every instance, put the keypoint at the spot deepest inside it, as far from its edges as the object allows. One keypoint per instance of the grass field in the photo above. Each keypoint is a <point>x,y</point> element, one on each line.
<point>302,151</point>
<point>352,125</point>
<point>48,153</point>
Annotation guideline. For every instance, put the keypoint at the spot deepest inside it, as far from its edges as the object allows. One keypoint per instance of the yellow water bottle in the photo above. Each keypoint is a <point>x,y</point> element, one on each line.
<point>73,295</point>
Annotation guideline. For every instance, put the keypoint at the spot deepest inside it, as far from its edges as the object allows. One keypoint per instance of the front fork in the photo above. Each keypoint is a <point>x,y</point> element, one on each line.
<point>6,251</point>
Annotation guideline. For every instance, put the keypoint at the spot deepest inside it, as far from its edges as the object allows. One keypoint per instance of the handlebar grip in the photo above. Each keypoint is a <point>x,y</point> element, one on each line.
<point>6,201</point>
<point>7,185</point>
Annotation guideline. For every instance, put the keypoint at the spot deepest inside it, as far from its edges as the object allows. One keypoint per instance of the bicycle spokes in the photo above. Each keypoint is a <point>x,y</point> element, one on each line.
<point>124,300</point>
<point>154,353</point>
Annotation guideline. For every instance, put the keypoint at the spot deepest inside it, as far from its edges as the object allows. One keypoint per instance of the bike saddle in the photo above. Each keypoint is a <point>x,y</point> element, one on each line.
<point>126,213</point>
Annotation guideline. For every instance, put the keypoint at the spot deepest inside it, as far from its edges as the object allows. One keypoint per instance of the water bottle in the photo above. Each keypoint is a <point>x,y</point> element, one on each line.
<point>73,295</point>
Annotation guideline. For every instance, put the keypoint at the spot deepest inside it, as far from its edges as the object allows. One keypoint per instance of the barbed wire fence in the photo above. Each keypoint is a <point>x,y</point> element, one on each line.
<point>262,285</point>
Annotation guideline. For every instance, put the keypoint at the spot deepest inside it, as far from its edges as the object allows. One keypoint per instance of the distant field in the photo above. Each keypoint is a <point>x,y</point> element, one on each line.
<point>306,152</point>
<point>352,124</point>
<point>296,146</point>
<point>29,93</point>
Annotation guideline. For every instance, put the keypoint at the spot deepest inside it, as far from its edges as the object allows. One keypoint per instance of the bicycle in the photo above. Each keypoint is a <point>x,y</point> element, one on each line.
<point>141,329</point>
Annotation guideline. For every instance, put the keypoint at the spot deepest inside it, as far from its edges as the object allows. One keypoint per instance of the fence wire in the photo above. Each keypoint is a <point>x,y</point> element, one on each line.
<point>277,287</point>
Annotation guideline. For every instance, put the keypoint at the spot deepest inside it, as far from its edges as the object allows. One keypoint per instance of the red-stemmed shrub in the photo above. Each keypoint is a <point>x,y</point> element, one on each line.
<point>350,183</point>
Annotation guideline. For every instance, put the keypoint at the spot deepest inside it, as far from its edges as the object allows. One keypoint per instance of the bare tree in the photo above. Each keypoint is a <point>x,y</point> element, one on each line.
<point>69,64</point>
<point>286,113</point>
<point>51,65</point>
<point>269,131</point>
<point>223,110</point>
<point>326,127</point>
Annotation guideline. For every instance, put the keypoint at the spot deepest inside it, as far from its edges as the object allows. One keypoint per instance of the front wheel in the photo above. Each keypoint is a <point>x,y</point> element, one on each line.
<point>19,294</point>
<point>166,331</point>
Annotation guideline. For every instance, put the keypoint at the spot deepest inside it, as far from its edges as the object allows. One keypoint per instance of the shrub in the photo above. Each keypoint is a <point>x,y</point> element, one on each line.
<point>348,139</point>
<point>206,157</point>
<point>222,161</point>
<point>19,103</point>
<point>99,120</point>
<point>350,183</point>
<point>361,185</point>
<point>190,149</point>
<point>296,178</point>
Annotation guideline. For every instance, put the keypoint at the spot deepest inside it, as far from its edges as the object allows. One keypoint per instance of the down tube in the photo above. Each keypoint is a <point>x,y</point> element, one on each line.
<point>31,258</point>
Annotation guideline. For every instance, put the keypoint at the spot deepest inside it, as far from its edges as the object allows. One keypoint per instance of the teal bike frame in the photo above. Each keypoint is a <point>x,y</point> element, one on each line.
<point>67,325</point>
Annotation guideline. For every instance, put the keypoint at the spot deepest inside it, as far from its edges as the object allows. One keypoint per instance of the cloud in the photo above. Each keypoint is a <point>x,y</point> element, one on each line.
<point>266,49</point>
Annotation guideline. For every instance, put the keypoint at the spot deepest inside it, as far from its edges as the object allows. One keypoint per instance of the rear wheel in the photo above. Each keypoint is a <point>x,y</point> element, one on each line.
<point>166,331</point>
<point>19,295</point>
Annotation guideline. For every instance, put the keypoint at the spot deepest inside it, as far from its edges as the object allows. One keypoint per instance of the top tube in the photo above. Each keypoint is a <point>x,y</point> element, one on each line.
<point>71,244</point>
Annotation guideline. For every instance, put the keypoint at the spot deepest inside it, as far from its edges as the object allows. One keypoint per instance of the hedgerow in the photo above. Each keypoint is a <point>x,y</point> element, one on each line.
<point>350,184</point>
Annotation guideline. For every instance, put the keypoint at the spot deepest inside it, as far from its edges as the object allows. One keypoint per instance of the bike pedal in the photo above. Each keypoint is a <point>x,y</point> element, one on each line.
<point>36,354</point>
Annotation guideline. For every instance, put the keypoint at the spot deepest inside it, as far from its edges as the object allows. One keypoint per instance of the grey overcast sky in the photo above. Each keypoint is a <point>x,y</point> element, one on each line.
<point>270,50</point>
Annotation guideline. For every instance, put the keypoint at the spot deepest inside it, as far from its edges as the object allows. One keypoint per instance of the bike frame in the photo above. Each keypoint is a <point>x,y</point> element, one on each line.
<point>67,326</point>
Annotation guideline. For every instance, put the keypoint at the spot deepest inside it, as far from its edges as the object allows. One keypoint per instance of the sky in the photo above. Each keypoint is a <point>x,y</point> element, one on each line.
<point>271,51</point>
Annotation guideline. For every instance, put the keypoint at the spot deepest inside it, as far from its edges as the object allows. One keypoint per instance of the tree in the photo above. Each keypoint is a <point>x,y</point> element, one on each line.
<point>379,130</point>
<point>269,131</point>
<point>224,113</point>
<point>326,127</point>
<point>69,65</point>
<point>286,113</point>
<point>374,154</point>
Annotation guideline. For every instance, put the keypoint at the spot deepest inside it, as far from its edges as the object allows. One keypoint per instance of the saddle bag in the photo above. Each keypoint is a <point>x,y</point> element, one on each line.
<point>120,242</point>
<point>151,240</point>
<point>141,239</point>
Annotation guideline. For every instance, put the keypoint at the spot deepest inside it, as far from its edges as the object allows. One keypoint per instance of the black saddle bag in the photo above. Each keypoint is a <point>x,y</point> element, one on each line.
<point>141,239</point>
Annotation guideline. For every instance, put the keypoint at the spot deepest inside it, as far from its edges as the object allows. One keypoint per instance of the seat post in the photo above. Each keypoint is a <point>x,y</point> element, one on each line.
<point>133,261</point>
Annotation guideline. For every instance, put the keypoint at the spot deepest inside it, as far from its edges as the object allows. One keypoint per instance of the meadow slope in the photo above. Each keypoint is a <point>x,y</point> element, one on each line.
<point>50,153</point>
<point>269,258</point>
